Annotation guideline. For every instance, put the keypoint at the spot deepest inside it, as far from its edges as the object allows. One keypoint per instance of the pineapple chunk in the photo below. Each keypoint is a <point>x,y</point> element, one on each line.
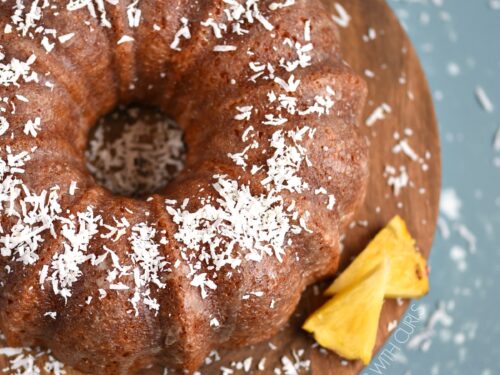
<point>348,323</point>
<point>408,273</point>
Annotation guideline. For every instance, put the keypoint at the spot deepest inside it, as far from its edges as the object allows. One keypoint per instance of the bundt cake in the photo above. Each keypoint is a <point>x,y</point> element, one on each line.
<point>275,169</point>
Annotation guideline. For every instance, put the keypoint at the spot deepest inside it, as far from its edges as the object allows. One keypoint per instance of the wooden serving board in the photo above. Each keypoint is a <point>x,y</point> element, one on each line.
<point>399,82</point>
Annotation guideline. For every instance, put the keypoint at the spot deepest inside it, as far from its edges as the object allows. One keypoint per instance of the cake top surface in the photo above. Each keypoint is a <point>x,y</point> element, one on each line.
<point>263,192</point>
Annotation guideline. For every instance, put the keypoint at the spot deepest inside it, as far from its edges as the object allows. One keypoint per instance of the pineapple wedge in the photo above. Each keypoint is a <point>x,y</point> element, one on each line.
<point>408,271</point>
<point>348,323</point>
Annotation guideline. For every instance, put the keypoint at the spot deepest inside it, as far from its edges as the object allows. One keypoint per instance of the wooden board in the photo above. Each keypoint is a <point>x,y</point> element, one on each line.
<point>400,82</point>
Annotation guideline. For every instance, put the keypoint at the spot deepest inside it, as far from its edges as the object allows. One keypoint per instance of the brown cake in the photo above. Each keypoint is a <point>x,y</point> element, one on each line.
<point>274,171</point>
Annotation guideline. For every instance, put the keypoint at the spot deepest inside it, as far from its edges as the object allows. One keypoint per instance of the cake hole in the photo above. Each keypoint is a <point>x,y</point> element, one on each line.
<point>135,151</point>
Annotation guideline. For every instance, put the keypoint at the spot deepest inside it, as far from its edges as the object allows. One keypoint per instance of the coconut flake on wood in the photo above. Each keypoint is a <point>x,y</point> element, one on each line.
<point>342,18</point>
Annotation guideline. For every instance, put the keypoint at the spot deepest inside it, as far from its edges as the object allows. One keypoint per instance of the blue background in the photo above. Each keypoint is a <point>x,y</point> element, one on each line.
<point>463,34</point>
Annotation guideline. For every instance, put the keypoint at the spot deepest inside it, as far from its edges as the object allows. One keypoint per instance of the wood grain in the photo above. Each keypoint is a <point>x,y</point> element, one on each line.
<point>400,82</point>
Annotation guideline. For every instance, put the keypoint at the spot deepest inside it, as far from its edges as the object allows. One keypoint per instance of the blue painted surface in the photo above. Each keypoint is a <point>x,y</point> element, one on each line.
<point>465,34</point>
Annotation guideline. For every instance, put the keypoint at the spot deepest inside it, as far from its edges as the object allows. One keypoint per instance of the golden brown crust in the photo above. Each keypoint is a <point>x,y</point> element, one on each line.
<point>93,73</point>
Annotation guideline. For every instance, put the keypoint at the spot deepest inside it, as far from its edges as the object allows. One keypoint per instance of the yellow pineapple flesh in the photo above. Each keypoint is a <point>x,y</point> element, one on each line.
<point>408,272</point>
<point>348,323</point>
